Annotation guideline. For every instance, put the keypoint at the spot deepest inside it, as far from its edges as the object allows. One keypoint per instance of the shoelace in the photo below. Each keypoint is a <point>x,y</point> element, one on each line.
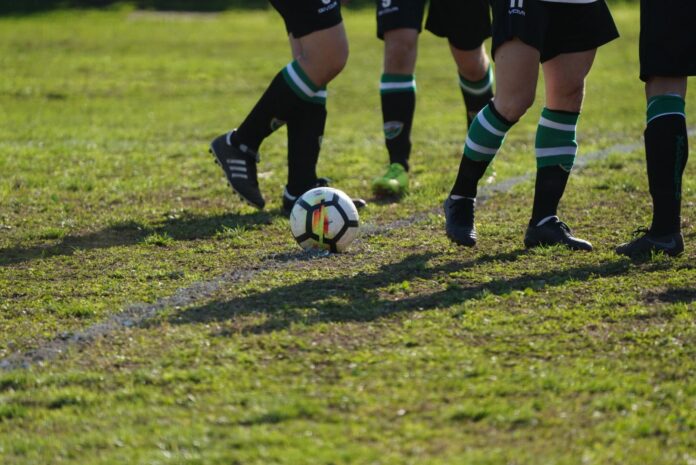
<point>564,227</point>
<point>640,231</point>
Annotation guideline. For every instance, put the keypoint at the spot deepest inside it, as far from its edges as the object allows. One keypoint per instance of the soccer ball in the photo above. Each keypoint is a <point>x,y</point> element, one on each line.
<point>324,218</point>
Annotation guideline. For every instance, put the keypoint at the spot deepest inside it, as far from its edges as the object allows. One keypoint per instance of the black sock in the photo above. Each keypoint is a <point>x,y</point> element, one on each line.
<point>270,113</point>
<point>397,115</point>
<point>470,172</point>
<point>548,190</point>
<point>305,131</point>
<point>666,152</point>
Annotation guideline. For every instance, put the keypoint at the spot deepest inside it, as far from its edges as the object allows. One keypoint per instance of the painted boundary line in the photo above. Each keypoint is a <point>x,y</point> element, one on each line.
<point>136,314</point>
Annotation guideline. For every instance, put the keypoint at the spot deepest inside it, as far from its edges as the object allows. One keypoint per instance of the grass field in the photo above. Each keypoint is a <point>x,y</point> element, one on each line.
<point>407,350</point>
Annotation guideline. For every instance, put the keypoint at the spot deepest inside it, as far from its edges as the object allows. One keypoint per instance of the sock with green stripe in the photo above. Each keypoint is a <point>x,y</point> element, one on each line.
<point>666,153</point>
<point>305,134</point>
<point>476,94</point>
<point>287,94</point>
<point>556,148</point>
<point>485,136</point>
<point>398,95</point>
<point>305,129</point>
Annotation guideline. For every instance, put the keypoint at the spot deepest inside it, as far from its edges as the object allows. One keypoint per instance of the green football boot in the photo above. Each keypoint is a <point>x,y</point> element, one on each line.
<point>393,183</point>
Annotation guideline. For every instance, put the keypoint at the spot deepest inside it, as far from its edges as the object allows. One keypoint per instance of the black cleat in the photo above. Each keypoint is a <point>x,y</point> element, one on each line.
<point>552,232</point>
<point>459,221</point>
<point>645,243</point>
<point>289,199</point>
<point>239,165</point>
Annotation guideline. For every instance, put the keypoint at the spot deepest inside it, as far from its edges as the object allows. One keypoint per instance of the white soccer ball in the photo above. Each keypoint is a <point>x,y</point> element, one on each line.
<point>324,218</point>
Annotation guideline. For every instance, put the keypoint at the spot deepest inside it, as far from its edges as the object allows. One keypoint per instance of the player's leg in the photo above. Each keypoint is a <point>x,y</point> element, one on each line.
<point>298,87</point>
<point>556,146</point>
<point>574,33</point>
<point>475,79</point>
<point>466,25</point>
<point>667,42</point>
<point>518,38</point>
<point>322,56</point>
<point>666,150</point>
<point>398,24</point>
<point>398,98</point>
<point>516,73</point>
<point>666,153</point>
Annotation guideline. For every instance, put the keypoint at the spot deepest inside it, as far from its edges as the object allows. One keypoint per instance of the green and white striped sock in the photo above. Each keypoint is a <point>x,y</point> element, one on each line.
<point>476,94</point>
<point>302,85</point>
<point>398,97</point>
<point>663,105</point>
<point>555,139</point>
<point>485,135</point>
<point>391,83</point>
<point>476,88</point>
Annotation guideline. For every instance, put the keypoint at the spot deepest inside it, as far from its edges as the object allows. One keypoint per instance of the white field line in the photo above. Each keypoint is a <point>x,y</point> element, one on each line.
<point>136,314</point>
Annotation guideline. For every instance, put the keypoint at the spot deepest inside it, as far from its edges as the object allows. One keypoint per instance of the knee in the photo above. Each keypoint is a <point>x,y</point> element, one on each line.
<point>400,54</point>
<point>566,97</point>
<point>471,65</point>
<point>325,63</point>
<point>513,108</point>
<point>336,61</point>
<point>472,70</point>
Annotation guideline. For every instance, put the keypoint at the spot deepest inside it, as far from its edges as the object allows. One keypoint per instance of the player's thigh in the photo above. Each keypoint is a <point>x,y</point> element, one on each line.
<point>324,53</point>
<point>295,46</point>
<point>564,76</point>
<point>400,50</point>
<point>516,74</point>
<point>317,36</point>
<point>661,85</point>
<point>471,64</point>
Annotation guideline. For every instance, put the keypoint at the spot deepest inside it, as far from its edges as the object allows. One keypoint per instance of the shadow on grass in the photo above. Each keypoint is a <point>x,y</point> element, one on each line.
<point>673,296</point>
<point>363,297</point>
<point>186,228</point>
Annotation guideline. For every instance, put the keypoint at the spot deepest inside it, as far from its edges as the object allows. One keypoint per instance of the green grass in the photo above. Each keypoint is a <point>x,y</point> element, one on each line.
<point>405,350</point>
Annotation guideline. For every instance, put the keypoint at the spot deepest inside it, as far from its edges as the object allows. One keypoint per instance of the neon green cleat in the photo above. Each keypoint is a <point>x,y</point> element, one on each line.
<point>393,183</point>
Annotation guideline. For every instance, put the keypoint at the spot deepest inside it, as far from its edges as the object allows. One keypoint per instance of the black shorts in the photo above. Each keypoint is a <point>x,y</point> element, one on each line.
<point>303,17</point>
<point>553,28</point>
<point>667,38</point>
<point>464,23</point>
